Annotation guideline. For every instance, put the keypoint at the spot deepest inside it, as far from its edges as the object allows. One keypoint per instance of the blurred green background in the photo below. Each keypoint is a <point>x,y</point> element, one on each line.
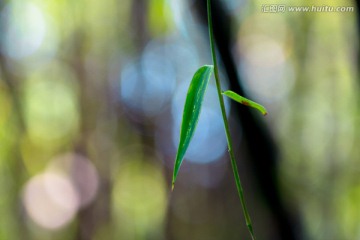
<point>91,97</point>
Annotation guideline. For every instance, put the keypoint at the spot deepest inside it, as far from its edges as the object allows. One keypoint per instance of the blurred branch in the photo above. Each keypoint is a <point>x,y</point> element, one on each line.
<point>11,83</point>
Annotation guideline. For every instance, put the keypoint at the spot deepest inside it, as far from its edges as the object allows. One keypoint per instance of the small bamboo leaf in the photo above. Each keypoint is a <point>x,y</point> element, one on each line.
<point>245,101</point>
<point>193,102</point>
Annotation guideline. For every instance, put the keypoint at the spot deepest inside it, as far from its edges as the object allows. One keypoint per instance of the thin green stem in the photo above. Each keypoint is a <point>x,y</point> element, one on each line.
<point>226,125</point>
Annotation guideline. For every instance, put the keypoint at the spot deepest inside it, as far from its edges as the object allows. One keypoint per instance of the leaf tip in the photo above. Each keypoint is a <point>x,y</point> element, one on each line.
<point>263,110</point>
<point>172,186</point>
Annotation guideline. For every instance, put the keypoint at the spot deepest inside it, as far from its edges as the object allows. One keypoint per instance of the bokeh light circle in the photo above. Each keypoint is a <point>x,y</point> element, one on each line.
<point>50,200</point>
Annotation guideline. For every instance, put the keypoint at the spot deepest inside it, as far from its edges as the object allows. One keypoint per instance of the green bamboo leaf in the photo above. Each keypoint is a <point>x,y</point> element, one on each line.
<point>245,101</point>
<point>193,102</point>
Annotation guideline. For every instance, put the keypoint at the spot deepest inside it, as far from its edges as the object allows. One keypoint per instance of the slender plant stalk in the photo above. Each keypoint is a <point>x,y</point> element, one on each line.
<point>226,125</point>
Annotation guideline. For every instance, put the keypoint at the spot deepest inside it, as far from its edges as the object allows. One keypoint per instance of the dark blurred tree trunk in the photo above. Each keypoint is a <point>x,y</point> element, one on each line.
<point>97,214</point>
<point>357,7</point>
<point>18,173</point>
<point>139,14</point>
<point>262,150</point>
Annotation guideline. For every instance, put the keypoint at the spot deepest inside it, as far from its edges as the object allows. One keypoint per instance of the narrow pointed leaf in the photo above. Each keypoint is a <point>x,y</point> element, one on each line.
<point>193,103</point>
<point>245,101</point>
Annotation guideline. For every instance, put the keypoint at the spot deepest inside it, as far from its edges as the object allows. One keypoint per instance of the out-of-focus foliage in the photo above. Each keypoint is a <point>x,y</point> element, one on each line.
<point>91,98</point>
